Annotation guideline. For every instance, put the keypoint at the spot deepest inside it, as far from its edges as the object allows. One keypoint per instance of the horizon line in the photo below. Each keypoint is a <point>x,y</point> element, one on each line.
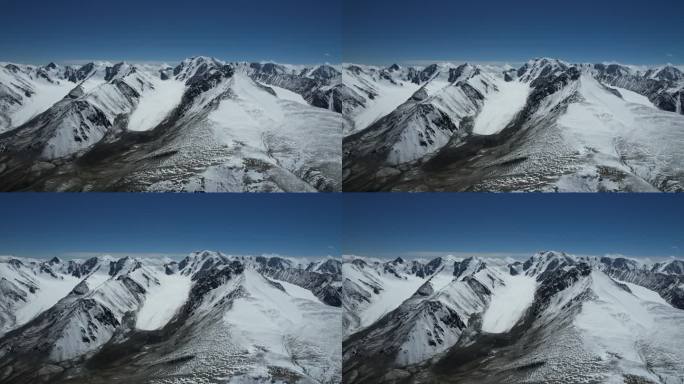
<point>83,255</point>
<point>423,62</point>
<point>157,62</point>
<point>430,255</point>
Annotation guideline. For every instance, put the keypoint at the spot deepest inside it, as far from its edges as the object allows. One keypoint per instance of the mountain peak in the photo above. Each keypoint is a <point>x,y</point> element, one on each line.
<point>325,72</point>
<point>198,65</point>
<point>668,73</point>
<point>55,260</point>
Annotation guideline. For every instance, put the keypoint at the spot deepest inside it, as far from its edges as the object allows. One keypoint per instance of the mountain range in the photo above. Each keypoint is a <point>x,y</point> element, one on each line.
<point>547,125</point>
<point>207,318</point>
<point>202,125</point>
<point>553,318</point>
<point>206,125</point>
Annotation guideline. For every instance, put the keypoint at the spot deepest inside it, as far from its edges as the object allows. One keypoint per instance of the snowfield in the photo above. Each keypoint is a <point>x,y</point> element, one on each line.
<point>155,104</point>
<point>391,292</point>
<point>629,136</point>
<point>281,327</point>
<point>286,94</point>
<point>619,327</point>
<point>163,301</point>
<point>501,106</point>
<point>42,94</point>
<point>388,94</point>
<point>50,289</point>
<point>508,303</point>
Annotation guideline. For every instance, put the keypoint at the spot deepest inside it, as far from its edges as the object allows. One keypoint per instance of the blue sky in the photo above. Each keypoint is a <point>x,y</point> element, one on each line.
<point>627,31</point>
<point>292,31</point>
<point>83,225</point>
<point>434,224</point>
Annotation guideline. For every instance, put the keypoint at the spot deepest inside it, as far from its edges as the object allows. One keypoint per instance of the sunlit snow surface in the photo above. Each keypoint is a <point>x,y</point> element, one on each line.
<point>268,325</point>
<point>501,106</point>
<point>163,301</point>
<point>392,292</point>
<point>387,95</point>
<point>631,335</point>
<point>286,94</point>
<point>281,326</point>
<point>508,303</point>
<point>43,95</point>
<point>155,104</point>
<point>298,140</point>
<point>49,291</point>
<point>625,134</point>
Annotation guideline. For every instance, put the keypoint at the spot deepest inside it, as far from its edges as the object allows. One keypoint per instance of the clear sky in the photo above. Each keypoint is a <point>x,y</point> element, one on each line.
<point>83,225</point>
<point>291,31</point>
<point>627,31</point>
<point>433,224</point>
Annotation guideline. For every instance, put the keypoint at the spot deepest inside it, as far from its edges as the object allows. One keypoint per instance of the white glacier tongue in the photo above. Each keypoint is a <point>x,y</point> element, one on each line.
<point>163,301</point>
<point>42,291</point>
<point>501,106</point>
<point>388,89</point>
<point>386,291</point>
<point>156,102</point>
<point>508,303</point>
<point>29,95</point>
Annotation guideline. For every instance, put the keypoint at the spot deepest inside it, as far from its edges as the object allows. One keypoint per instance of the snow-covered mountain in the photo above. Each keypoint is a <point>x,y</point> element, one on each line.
<point>203,125</point>
<point>545,126</point>
<point>208,318</point>
<point>553,318</point>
